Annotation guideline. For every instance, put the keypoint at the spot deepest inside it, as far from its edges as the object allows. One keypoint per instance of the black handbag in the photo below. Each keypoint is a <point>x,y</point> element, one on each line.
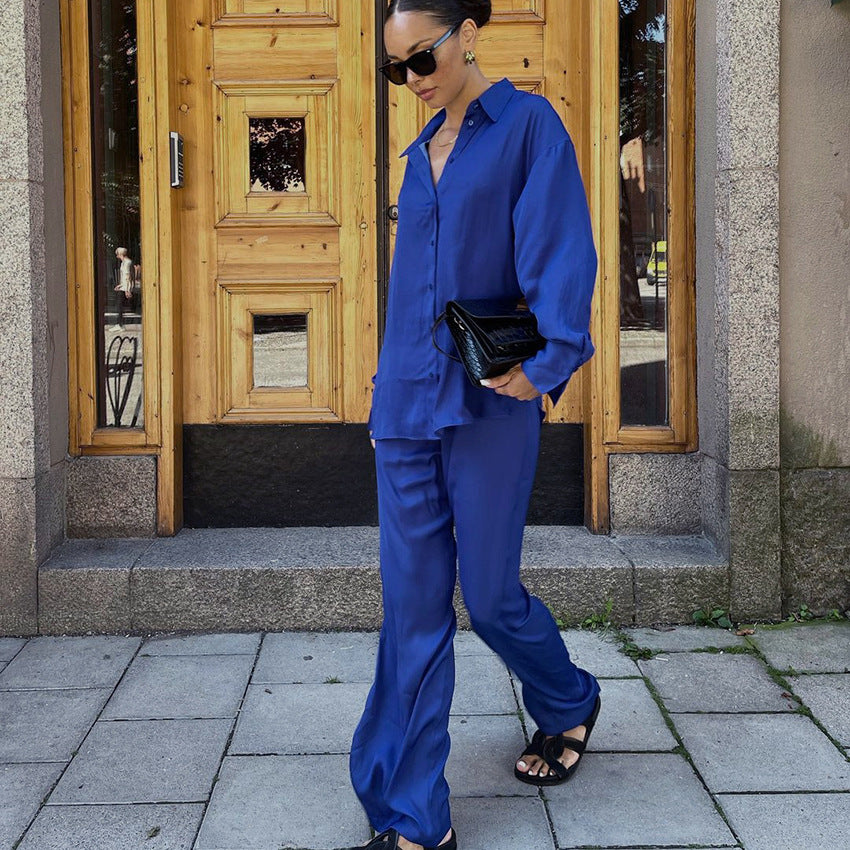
<point>491,334</point>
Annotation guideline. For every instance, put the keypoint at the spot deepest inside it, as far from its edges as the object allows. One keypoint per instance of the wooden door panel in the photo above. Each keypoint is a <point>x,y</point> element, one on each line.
<point>309,114</point>
<point>256,255</point>
<point>241,354</point>
<point>323,10</point>
<point>278,213</point>
<point>518,9</point>
<point>288,51</point>
<point>541,53</point>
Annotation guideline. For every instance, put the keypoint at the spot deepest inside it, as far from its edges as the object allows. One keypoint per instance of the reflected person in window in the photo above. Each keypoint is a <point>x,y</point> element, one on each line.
<point>126,276</point>
<point>491,205</point>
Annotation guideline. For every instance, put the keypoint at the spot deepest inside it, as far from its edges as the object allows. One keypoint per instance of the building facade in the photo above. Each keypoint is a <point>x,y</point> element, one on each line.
<point>198,207</point>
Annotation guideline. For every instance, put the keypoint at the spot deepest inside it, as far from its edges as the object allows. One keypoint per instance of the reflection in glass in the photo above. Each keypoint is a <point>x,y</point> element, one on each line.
<point>280,350</point>
<point>117,223</point>
<point>643,216</point>
<point>276,154</point>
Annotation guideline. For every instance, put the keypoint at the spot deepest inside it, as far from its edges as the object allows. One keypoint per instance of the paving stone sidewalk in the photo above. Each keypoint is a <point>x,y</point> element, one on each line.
<point>240,742</point>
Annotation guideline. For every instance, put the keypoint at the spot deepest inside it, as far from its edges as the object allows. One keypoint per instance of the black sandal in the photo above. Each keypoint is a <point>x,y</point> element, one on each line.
<point>388,840</point>
<point>551,749</point>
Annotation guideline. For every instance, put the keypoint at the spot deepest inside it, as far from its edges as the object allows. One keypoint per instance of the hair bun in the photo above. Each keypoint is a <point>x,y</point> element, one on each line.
<point>446,11</point>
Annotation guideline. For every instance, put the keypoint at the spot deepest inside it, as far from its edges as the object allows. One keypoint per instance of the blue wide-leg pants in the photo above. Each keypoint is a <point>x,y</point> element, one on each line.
<point>478,478</point>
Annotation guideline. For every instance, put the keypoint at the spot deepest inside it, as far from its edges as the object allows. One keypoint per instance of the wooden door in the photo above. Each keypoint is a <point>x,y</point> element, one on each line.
<point>277,231</point>
<point>281,219</point>
<point>541,46</point>
<point>279,215</point>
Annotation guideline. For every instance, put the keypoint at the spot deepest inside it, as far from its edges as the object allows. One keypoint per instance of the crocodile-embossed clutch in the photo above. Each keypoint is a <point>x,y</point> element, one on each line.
<point>490,334</point>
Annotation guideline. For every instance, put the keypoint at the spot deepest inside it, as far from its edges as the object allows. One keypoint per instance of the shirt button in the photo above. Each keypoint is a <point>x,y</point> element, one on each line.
<point>470,122</point>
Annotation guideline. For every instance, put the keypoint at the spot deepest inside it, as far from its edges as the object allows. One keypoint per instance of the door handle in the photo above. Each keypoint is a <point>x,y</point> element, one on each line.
<point>392,212</point>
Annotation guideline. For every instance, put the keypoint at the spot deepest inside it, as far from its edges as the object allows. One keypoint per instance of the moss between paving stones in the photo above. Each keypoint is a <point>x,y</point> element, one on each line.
<point>630,648</point>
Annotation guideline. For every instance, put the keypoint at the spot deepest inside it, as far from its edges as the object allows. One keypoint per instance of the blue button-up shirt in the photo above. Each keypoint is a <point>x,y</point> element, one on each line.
<point>508,217</point>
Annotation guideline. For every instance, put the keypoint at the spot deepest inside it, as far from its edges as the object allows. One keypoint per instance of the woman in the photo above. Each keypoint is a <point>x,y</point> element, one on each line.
<point>491,205</point>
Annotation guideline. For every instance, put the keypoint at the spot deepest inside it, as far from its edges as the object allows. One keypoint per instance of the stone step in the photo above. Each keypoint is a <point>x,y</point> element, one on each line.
<point>328,579</point>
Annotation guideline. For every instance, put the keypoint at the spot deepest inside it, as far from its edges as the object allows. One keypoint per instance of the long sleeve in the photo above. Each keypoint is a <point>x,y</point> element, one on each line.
<point>556,264</point>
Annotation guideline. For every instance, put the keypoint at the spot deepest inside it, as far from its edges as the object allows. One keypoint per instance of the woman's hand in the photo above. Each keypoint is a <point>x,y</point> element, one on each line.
<point>513,383</point>
<point>371,440</point>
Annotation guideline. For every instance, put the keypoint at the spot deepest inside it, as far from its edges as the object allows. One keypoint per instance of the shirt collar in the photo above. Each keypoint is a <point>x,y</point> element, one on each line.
<point>493,100</point>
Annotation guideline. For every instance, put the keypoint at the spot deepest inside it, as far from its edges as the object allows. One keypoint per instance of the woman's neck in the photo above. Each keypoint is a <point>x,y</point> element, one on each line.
<point>457,108</point>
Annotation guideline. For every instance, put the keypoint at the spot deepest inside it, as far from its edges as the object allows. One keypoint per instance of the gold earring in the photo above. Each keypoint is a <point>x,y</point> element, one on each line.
<point>469,55</point>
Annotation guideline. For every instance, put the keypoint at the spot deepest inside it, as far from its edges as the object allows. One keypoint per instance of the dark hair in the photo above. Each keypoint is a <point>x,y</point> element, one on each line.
<point>447,13</point>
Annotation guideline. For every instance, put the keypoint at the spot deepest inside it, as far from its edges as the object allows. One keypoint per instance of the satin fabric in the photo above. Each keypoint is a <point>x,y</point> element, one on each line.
<point>453,507</point>
<point>508,217</point>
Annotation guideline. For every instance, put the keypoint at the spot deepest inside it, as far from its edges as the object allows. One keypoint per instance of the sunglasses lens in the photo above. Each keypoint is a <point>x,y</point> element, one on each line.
<point>422,64</point>
<point>394,73</point>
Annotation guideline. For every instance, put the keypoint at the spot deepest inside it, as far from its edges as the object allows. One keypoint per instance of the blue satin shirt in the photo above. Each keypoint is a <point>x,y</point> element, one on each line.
<point>508,217</point>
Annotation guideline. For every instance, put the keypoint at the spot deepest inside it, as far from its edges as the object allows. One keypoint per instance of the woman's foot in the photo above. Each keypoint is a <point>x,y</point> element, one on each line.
<point>404,844</point>
<point>536,766</point>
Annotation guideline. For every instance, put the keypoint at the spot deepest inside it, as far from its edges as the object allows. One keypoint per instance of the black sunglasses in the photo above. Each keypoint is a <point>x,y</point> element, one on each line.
<point>422,63</point>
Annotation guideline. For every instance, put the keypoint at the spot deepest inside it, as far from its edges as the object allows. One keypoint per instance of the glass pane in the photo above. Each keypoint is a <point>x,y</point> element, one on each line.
<point>277,154</point>
<point>280,350</point>
<point>117,223</point>
<point>643,216</point>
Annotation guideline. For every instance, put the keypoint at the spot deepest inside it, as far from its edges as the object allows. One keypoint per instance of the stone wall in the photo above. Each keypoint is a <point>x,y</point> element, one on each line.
<point>746,319</point>
<point>33,344</point>
<point>814,253</point>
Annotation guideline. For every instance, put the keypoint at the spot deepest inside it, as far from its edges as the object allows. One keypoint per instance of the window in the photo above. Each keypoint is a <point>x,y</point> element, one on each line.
<point>118,210</point>
<point>643,218</point>
<point>116,260</point>
<point>652,400</point>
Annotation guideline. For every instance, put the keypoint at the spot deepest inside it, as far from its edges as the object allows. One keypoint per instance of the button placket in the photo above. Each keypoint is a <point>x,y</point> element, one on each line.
<point>432,285</point>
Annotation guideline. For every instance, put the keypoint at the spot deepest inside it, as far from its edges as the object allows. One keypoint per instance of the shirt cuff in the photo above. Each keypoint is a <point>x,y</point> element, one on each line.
<point>552,366</point>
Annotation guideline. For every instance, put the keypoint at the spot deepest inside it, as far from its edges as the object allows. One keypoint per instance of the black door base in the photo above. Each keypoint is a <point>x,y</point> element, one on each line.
<point>243,476</point>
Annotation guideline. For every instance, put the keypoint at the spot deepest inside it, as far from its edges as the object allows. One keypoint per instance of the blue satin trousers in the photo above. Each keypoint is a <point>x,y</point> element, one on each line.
<point>449,508</point>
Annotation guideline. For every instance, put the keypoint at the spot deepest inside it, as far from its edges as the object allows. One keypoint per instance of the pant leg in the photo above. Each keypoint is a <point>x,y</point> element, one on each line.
<point>490,466</point>
<point>401,743</point>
